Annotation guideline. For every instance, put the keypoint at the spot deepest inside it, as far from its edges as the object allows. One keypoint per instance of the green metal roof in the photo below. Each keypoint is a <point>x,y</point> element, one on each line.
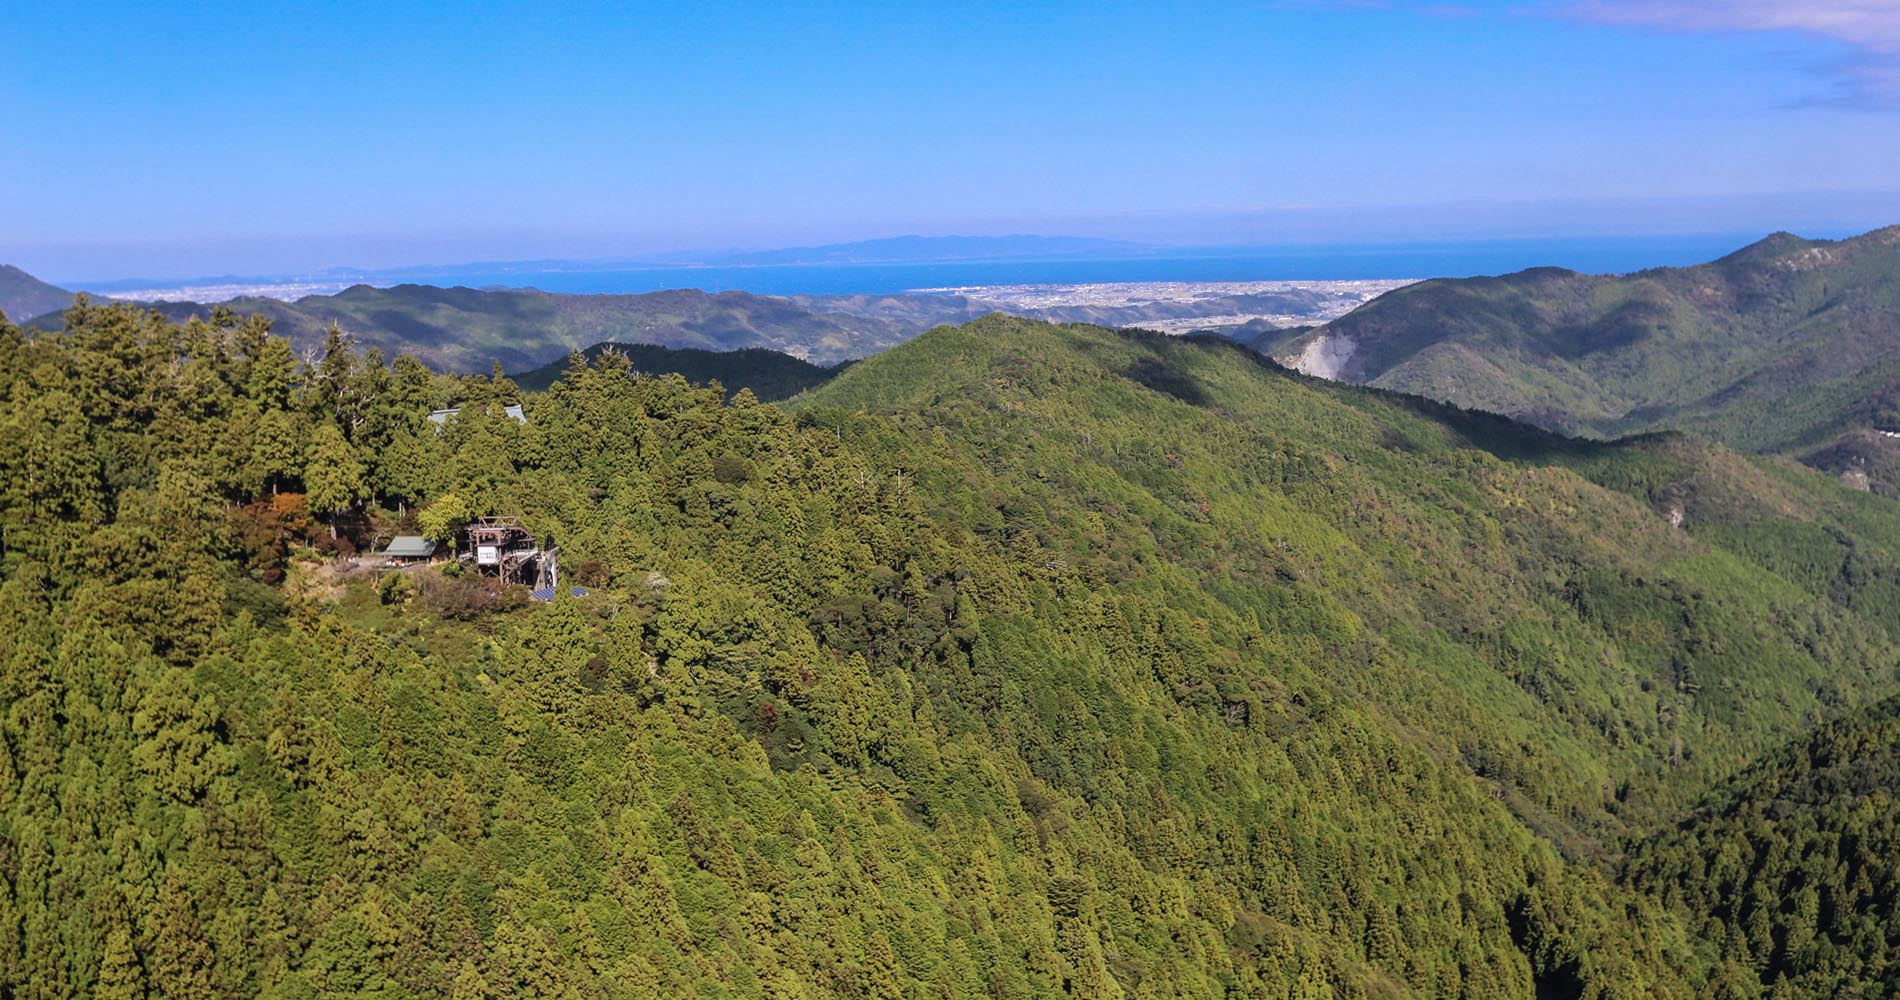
<point>410,547</point>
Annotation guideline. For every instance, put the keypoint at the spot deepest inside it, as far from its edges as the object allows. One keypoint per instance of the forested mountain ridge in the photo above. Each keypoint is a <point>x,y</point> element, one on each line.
<point>1760,515</point>
<point>467,330</point>
<point>1782,346</point>
<point>770,375</point>
<point>1017,661</point>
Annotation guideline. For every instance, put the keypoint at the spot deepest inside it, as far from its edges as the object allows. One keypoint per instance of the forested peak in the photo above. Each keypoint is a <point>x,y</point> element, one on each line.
<point>409,292</point>
<point>1770,248</point>
<point>1538,275</point>
<point>770,375</point>
<point>1004,349</point>
<point>1885,236</point>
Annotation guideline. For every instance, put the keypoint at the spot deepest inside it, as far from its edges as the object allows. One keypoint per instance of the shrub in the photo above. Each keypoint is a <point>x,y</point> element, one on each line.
<point>466,596</point>
<point>396,588</point>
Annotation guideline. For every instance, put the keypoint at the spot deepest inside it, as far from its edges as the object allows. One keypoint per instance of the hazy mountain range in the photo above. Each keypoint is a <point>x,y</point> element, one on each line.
<point>889,250</point>
<point>469,329</point>
<point>23,296</point>
<point>1786,346</point>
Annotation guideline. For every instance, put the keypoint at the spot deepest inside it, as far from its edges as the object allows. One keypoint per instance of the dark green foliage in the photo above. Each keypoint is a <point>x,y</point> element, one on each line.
<point>770,375</point>
<point>1157,374</point>
<point>1020,661</point>
<point>1793,869</point>
<point>1264,337</point>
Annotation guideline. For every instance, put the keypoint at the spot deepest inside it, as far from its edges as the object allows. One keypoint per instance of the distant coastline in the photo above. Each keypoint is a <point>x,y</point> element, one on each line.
<point>1337,262</point>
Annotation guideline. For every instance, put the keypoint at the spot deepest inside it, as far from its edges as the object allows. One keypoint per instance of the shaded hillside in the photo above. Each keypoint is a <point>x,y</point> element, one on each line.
<point>770,375</point>
<point>464,329</point>
<point>1264,337</point>
<point>23,296</point>
<point>1776,347</point>
<point>1794,871</point>
<point>1200,425</point>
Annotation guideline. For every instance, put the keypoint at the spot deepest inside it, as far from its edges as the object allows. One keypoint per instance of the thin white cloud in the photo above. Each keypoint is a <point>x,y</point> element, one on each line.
<point>1869,75</point>
<point>1331,4</point>
<point>1868,24</point>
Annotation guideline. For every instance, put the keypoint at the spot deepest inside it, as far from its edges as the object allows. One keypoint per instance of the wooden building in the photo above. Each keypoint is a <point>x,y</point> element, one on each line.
<point>502,547</point>
<point>407,550</point>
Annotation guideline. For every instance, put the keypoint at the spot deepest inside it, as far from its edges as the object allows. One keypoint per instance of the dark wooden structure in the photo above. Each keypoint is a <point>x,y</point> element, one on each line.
<point>503,548</point>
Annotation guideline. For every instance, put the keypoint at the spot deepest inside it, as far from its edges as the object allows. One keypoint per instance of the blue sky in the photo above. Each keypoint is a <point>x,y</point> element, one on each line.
<point>159,140</point>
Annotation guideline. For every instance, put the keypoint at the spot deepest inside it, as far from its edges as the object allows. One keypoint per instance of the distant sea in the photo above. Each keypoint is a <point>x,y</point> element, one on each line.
<point>1291,263</point>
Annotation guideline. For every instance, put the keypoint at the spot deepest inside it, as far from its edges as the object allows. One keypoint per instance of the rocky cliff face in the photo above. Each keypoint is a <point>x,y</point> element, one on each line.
<point>1324,356</point>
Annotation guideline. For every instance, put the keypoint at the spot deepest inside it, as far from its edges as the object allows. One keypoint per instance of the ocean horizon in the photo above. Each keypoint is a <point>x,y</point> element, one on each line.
<point>1293,263</point>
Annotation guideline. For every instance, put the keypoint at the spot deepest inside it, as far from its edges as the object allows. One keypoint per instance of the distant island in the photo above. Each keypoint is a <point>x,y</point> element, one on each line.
<point>903,249</point>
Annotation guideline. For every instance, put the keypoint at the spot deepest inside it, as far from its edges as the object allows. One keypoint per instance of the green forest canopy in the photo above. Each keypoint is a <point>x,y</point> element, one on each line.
<point>1019,661</point>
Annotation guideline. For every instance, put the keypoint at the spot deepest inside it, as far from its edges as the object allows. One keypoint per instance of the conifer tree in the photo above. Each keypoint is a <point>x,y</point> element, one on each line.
<point>120,975</point>
<point>333,475</point>
<point>178,746</point>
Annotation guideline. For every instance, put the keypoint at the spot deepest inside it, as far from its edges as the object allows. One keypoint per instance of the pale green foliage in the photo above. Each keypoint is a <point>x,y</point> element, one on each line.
<point>443,517</point>
<point>176,747</point>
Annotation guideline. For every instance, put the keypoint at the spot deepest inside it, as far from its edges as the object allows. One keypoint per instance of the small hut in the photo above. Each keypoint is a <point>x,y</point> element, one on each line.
<point>407,550</point>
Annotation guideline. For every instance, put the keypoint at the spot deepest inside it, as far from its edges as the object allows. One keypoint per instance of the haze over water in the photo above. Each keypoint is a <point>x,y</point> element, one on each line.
<point>1293,263</point>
